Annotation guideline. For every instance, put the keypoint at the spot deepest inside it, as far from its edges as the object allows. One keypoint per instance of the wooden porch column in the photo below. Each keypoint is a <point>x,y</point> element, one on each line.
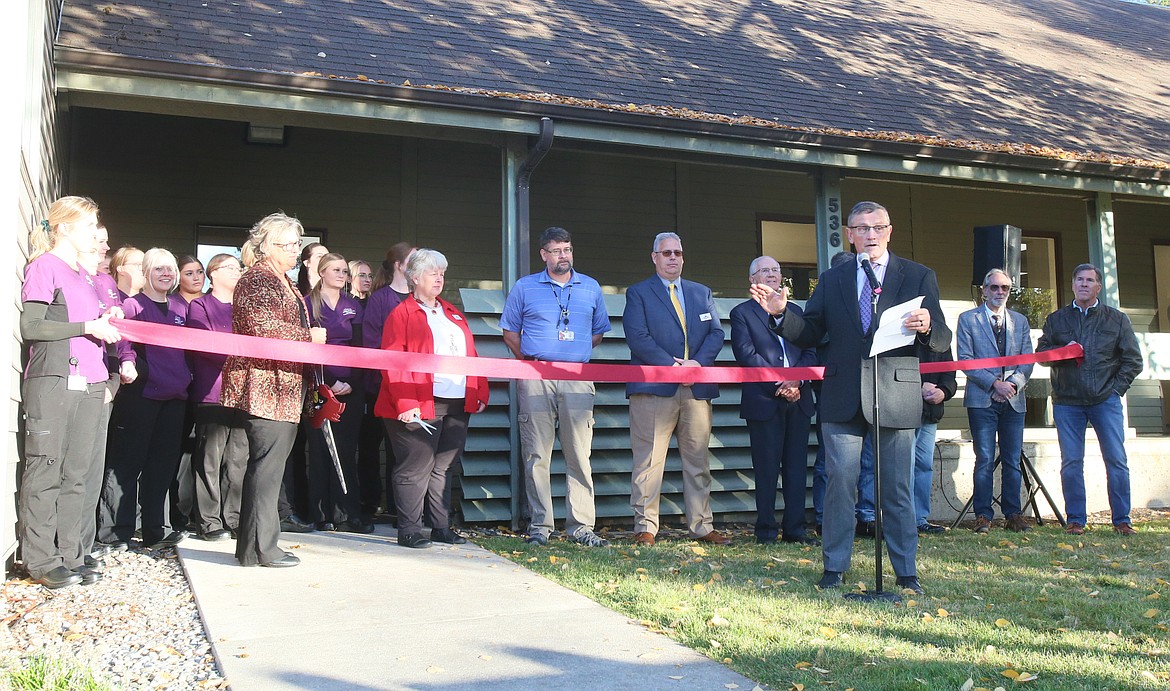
<point>1103,246</point>
<point>829,220</point>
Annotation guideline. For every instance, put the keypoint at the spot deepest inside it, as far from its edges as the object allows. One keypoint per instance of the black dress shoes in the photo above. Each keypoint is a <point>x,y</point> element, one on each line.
<point>289,559</point>
<point>803,540</point>
<point>89,574</point>
<point>866,529</point>
<point>326,527</point>
<point>355,526</point>
<point>931,529</point>
<point>830,579</point>
<point>295,524</point>
<point>910,583</point>
<point>217,535</point>
<point>59,577</point>
<point>104,549</point>
<point>447,536</point>
<point>173,538</point>
<point>414,540</point>
<point>93,562</point>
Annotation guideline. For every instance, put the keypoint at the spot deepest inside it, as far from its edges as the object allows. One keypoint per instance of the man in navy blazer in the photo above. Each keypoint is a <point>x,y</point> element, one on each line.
<point>670,322</point>
<point>778,414</point>
<point>841,309</point>
<point>994,399</point>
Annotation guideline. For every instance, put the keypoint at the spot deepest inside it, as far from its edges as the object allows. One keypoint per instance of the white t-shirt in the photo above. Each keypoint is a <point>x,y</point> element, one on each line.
<point>449,340</point>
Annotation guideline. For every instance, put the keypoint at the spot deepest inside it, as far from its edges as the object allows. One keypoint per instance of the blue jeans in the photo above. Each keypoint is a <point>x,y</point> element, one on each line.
<point>1109,423</point>
<point>923,470</point>
<point>865,506</point>
<point>986,423</point>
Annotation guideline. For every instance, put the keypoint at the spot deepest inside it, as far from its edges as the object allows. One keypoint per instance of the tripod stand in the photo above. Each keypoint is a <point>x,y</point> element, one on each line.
<point>1032,484</point>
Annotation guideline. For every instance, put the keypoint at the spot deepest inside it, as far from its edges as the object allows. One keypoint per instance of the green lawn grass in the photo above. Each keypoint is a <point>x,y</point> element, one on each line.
<point>1052,610</point>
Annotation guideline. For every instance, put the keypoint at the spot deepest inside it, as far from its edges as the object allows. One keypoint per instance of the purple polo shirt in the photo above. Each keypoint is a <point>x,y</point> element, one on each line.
<point>378,307</point>
<point>208,313</point>
<point>338,323</point>
<point>108,293</point>
<point>71,295</point>
<point>167,374</point>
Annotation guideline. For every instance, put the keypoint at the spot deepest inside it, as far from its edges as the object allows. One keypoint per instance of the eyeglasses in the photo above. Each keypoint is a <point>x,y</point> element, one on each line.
<point>559,252</point>
<point>291,246</point>
<point>866,230</point>
<point>998,288</point>
<point>768,270</point>
<point>670,253</point>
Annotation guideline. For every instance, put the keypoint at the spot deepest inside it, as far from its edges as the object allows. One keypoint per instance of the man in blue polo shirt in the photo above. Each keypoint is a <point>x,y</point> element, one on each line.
<point>558,315</point>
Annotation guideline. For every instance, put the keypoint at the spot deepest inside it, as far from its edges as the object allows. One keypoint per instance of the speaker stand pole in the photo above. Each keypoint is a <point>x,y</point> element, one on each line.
<point>878,594</point>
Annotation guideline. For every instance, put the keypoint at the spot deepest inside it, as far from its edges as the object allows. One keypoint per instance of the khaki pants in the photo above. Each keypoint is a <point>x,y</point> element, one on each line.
<point>545,405</point>
<point>653,419</point>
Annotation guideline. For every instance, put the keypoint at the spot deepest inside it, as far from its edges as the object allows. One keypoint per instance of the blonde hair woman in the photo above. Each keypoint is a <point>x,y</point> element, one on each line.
<point>146,424</point>
<point>269,393</point>
<point>63,391</point>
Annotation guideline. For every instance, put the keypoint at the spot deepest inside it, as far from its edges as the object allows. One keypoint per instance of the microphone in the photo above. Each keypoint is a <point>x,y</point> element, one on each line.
<point>869,274</point>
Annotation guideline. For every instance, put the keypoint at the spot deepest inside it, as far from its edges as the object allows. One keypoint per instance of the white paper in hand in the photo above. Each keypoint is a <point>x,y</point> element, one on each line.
<point>890,334</point>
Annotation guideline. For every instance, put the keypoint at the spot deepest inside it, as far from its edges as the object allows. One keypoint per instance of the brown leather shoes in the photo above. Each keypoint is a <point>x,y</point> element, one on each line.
<point>1074,529</point>
<point>982,525</point>
<point>1017,523</point>
<point>715,538</point>
<point>1124,529</point>
<point>644,539</point>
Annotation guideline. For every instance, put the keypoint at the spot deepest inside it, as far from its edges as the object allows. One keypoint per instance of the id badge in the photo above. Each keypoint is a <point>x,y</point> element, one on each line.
<point>76,382</point>
<point>566,336</point>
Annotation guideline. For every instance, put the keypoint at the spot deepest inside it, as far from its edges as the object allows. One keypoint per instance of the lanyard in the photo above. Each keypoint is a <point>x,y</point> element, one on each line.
<point>565,305</point>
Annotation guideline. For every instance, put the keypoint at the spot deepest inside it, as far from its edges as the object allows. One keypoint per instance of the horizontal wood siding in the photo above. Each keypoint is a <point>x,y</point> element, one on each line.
<point>486,469</point>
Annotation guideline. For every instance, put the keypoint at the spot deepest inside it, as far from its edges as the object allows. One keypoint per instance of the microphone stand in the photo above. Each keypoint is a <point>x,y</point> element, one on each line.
<point>878,595</point>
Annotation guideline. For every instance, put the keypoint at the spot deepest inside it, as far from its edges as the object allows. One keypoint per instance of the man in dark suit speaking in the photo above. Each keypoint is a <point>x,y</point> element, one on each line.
<point>778,414</point>
<point>670,322</point>
<point>841,308</point>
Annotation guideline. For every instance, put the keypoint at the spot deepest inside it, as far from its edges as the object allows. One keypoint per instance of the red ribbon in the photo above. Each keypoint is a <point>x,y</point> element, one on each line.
<point>374,359</point>
<point>1072,351</point>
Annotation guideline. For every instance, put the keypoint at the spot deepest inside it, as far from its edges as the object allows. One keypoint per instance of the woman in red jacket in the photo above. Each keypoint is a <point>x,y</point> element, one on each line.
<point>426,414</point>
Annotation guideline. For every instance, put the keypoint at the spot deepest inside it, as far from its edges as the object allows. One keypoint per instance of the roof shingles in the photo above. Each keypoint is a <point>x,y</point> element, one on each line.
<point>1076,75</point>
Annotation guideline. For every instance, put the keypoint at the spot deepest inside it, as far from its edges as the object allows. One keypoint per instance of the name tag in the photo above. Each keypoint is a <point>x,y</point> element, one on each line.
<point>76,382</point>
<point>566,336</point>
<point>456,317</point>
<point>705,317</point>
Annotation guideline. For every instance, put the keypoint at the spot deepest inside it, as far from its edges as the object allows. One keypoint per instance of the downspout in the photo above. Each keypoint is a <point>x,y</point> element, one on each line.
<point>517,248</point>
<point>536,154</point>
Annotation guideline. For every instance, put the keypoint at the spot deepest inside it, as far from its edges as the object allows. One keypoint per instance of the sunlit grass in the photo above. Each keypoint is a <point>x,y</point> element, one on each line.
<point>1077,613</point>
<point>45,673</point>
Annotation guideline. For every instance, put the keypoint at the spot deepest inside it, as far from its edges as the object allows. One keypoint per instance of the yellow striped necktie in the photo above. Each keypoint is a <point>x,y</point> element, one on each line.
<point>682,319</point>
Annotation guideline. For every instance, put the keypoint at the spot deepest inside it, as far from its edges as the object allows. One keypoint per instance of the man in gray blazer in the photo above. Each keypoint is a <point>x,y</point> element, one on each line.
<point>841,308</point>
<point>995,399</point>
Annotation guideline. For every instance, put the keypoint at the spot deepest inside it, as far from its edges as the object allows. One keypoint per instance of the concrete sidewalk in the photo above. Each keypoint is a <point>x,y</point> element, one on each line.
<point>360,612</point>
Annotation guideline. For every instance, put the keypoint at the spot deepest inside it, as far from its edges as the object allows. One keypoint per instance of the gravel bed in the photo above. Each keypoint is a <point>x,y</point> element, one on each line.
<point>137,628</point>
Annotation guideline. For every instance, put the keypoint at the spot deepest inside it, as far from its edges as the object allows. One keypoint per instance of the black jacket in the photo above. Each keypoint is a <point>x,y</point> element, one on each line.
<point>933,412</point>
<point>1112,357</point>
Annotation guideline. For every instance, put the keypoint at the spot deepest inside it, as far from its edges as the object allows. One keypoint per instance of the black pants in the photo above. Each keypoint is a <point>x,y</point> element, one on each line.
<point>375,482</point>
<point>220,460</point>
<point>421,473</point>
<point>184,511</point>
<point>326,500</point>
<point>780,445</point>
<point>143,451</point>
<point>269,443</point>
<point>97,471</point>
<point>60,429</point>
<point>294,485</point>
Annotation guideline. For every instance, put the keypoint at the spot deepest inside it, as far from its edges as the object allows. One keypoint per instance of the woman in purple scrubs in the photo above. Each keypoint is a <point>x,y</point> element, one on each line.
<point>340,314</point>
<point>147,420</point>
<point>63,391</point>
<point>221,445</point>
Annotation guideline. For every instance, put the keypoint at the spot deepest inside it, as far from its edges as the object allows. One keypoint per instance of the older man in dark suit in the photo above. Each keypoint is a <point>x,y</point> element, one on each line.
<point>778,414</point>
<point>841,308</point>
<point>670,322</point>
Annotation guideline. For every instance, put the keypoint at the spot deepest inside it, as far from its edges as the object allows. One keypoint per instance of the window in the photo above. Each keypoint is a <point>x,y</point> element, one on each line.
<point>793,243</point>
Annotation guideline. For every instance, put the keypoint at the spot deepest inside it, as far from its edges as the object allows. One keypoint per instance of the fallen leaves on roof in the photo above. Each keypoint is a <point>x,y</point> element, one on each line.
<point>1012,148</point>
